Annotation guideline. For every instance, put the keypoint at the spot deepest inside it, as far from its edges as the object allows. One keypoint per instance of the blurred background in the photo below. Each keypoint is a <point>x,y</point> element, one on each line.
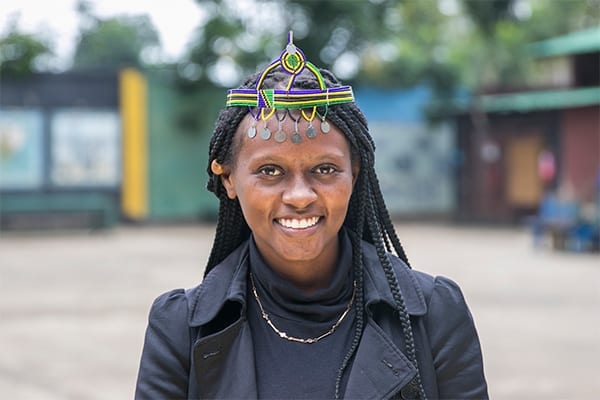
<point>486,116</point>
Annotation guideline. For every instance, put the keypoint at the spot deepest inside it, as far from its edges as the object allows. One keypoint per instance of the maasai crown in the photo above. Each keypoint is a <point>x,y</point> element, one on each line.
<point>264,103</point>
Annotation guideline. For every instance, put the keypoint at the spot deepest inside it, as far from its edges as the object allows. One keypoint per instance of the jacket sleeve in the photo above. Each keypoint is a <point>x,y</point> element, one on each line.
<point>454,344</point>
<point>165,363</point>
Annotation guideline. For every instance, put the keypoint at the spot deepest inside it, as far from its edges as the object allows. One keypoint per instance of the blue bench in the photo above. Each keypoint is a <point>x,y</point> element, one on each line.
<point>561,220</point>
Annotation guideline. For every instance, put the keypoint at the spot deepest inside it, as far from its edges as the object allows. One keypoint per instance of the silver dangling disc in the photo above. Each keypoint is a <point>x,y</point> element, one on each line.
<point>265,133</point>
<point>325,127</point>
<point>280,136</point>
<point>252,132</point>
<point>296,138</point>
<point>311,132</point>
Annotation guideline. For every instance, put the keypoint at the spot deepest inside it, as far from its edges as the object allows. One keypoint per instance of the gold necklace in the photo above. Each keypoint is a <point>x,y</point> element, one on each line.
<point>284,335</point>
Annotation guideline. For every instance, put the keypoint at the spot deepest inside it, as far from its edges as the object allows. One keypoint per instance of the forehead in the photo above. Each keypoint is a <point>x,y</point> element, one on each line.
<point>333,143</point>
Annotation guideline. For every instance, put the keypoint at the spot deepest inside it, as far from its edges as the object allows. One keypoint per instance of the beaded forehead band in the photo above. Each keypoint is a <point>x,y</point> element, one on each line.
<point>264,103</point>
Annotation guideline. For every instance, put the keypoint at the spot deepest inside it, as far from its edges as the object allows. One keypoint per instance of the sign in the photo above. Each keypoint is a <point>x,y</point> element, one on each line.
<point>21,149</point>
<point>85,148</point>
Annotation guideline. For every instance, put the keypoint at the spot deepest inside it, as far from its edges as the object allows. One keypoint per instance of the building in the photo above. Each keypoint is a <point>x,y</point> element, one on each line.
<point>545,139</point>
<point>90,149</point>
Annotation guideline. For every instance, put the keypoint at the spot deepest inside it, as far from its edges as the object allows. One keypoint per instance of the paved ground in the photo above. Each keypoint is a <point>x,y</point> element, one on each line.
<point>73,307</point>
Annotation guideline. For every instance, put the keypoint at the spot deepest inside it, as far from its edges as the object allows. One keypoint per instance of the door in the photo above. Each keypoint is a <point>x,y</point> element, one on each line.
<point>524,186</point>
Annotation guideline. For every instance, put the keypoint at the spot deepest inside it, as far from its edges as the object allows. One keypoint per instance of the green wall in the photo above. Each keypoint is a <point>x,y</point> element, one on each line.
<point>178,155</point>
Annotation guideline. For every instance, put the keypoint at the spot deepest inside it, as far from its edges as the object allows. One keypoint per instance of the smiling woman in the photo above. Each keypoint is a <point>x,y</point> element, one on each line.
<point>294,206</point>
<point>308,292</point>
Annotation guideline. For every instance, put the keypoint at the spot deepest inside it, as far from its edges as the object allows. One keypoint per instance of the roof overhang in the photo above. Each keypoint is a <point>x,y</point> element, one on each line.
<point>585,41</point>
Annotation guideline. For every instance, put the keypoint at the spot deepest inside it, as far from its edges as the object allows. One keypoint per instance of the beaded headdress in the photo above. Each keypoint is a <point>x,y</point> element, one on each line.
<point>264,103</point>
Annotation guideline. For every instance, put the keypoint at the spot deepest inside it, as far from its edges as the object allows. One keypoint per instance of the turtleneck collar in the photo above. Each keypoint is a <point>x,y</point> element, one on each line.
<point>282,298</point>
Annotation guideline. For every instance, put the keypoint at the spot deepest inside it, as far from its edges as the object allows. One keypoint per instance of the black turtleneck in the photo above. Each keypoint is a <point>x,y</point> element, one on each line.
<point>290,370</point>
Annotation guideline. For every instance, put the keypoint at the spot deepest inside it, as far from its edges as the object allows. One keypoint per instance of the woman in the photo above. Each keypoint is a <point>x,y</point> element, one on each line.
<point>302,296</point>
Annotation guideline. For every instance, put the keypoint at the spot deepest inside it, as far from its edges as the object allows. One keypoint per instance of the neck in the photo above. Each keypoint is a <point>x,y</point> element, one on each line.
<point>308,275</point>
<point>306,280</point>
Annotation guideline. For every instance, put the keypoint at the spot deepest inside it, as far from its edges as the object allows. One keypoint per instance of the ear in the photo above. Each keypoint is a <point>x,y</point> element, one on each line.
<point>224,173</point>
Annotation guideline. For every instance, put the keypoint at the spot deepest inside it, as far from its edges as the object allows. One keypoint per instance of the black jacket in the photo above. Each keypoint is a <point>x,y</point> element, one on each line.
<point>198,343</point>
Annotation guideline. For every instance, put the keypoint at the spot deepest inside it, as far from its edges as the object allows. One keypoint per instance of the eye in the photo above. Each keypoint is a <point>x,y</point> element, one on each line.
<point>270,170</point>
<point>325,169</point>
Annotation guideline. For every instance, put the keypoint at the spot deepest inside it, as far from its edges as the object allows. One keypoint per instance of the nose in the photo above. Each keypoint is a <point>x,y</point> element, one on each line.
<point>299,193</point>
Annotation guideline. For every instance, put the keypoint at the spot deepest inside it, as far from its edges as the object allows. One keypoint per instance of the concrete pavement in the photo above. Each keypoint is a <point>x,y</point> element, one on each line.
<point>73,306</point>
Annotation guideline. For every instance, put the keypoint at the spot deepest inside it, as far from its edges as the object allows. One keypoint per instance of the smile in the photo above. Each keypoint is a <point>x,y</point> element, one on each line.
<point>298,223</point>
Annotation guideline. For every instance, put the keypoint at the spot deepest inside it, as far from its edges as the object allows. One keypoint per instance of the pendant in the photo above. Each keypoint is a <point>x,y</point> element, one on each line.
<point>265,133</point>
<point>311,132</point>
<point>325,127</point>
<point>252,132</point>
<point>296,138</point>
<point>280,136</point>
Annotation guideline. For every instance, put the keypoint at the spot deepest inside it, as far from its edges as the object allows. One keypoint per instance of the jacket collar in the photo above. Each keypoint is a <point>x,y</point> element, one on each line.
<point>227,282</point>
<point>376,284</point>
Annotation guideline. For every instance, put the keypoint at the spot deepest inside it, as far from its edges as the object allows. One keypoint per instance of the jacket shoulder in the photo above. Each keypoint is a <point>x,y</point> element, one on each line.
<point>165,361</point>
<point>428,283</point>
<point>169,317</point>
<point>428,286</point>
<point>169,303</point>
<point>452,337</point>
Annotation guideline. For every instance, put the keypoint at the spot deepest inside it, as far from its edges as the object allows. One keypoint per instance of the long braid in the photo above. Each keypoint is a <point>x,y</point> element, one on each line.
<point>367,217</point>
<point>359,281</point>
<point>384,218</point>
<point>231,228</point>
<point>379,224</point>
<point>220,144</point>
<point>395,289</point>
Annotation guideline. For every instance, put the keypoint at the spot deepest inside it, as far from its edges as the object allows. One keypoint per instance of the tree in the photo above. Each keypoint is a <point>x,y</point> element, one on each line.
<point>113,42</point>
<point>450,45</point>
<point>21,53</point>
<point>492,53</point>
<point>470,43</point>
<point>238,37</point>
<point>495,53</point>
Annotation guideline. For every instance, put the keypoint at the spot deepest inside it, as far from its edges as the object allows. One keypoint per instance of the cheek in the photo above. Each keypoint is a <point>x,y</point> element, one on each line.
<point>338,198</point>
<point>254,200</point>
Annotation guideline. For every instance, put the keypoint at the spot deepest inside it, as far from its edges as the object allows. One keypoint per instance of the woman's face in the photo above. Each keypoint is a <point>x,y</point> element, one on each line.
<point>294,197</point>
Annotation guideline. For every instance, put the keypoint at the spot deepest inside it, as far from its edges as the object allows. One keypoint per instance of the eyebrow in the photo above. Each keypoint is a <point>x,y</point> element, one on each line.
<point>284,158</point>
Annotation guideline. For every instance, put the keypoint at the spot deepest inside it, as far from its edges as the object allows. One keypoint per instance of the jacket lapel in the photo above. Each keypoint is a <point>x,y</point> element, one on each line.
<point>378,290</point>
<point>379,369</point>
<point>225,364</point>
<point>224,361</point>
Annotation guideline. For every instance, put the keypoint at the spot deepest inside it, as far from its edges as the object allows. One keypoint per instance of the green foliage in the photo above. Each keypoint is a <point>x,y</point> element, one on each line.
<point>327,31</point>
<point>113,42</point>
<point>20,53</point>
<point>477,45</point>
<point>486,14</point>
<point>495,53</point>
<point>390,43</point>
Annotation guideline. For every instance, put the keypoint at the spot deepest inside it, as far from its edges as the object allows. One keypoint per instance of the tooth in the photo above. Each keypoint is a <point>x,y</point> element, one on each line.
<point>299,223</point>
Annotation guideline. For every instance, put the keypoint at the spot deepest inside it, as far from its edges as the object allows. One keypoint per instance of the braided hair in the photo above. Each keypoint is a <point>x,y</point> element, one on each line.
<point>367,217</point>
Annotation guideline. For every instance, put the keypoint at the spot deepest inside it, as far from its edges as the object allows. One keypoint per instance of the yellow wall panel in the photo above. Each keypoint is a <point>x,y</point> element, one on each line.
<point>133,102</point>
